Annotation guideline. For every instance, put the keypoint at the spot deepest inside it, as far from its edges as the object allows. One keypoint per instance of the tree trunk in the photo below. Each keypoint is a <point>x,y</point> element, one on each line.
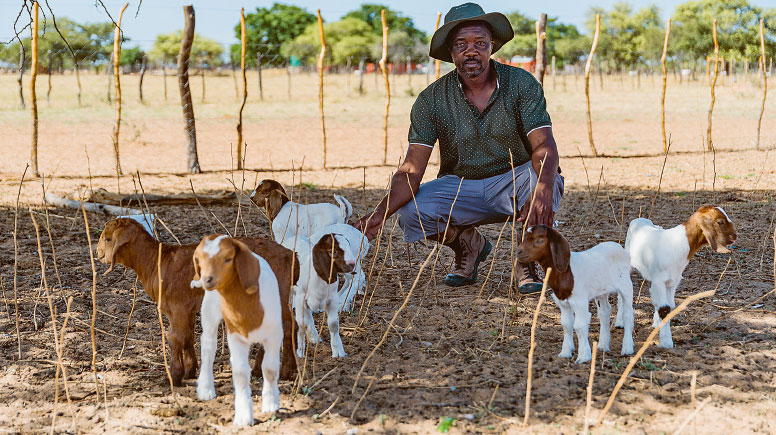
<point>541,45</point>
<point>108,71</point>
<point>77,79</point>
<point>142,73</point>
<point>361,76</point>
<point>185,90</point>
<point>164,76</point>
<point>48,59</point>
<point>21,74</point>
<point>259,56</point>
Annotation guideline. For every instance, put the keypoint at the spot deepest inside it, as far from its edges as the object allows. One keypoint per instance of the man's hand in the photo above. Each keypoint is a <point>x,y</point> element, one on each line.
<point>370,226</point>
<point>541,213</point>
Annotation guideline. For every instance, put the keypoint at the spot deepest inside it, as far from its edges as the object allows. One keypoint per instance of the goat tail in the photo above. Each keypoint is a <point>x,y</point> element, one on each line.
<point>345,207</point>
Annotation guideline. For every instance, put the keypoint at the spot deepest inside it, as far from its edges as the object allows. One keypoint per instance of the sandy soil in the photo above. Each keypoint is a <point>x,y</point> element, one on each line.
<point>457,353</point>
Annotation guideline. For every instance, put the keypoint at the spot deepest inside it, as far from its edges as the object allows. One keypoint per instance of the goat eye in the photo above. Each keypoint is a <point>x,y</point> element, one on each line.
<point>227,261</point>
<point>107,239</point>
<point>721,221</point>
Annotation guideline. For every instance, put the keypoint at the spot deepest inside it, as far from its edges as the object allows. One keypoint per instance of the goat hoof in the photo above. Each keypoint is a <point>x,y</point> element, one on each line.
<point>583,359</point>
<point>603,346</point>
<point>564,354</point>
<point>206,394</point>
<point>243,421</point>
<point>666,345</point>
<point>338,354</point>
<point>269,407</point>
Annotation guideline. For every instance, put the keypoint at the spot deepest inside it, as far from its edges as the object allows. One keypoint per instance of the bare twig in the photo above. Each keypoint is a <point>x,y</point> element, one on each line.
<point>691,416</point>
<point>648,342</point>
<point>374,375</point>
<point>393,319</point>
<point>589,403</point>
<point>16,263</point>
<point>533,346</point>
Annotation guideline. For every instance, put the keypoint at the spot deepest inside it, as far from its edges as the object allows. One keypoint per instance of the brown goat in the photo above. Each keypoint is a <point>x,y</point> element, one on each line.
<point>126,242</point>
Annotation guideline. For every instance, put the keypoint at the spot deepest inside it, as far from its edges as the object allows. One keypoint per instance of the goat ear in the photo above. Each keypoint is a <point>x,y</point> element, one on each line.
<point>710,231</point>
<point>273,202</point>
<point>196,267</point>
<point>247,268</point>
<point>120,237</point>
<point>323,259</point>
<point>560,250</point>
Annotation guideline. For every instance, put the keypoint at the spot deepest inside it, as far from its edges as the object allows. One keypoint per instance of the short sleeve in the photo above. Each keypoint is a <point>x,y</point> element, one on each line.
<point>422,130</point>
<point>533,106</point>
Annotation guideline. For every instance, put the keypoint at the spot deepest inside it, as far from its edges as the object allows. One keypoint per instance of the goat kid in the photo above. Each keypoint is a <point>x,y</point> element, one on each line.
<point>290,218</point>
<point>316,289</point>
<point>661,255</point>
<point>578,277</point>
<point>126,242</point>
<point>354,240</point>
<point>252,311</point>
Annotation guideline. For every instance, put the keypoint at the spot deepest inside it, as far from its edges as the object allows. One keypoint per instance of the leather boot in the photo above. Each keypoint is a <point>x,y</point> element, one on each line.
<point>470,248</point>
<point>528,281</point>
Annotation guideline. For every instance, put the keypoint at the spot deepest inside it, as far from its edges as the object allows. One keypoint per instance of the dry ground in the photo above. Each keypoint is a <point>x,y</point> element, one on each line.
<point>458,353</point>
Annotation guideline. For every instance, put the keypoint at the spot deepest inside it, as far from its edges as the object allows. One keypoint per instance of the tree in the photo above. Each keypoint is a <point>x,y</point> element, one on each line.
<point>627,38</point>
<point>268,30</point>
<point>203,50</point>
<point>563,40</point>
<point>737,29</point>
<point>347,37</point>
<point>132,56</point>
<point>370,13</point>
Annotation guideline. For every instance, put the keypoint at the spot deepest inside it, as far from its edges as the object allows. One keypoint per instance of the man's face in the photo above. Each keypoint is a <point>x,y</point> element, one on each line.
<point>470,47</point>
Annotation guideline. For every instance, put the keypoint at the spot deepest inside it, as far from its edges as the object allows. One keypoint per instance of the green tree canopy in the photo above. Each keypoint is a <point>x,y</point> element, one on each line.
<point>370,13</point>
<point>628,37</point>
<point>167,46</point>
<point>268,29</point>
<point>563,40</point>
<point>347,37</point>
<point>132,56</point>
<point>738,31</point>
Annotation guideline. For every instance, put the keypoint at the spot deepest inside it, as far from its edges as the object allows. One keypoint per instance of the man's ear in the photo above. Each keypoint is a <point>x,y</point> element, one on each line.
<point>560,250</point>
<point>247,268</point>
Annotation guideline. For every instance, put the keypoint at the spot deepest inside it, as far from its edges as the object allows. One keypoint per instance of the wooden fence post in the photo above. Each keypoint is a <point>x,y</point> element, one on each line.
<point>321,58</point>
<point>243,38</point>
<point>142,73</point>
<point>553,73</point>
<point>709,143</point>
<point>109,73</point>
<point>288,76</point>
<point>663,98</point>
<point>384,69</point>
<point>48,75</point>
<point>541,46</point>
<point>116,78</point>
<point>33,96</point>
<point>765,81</point>
<point>189,126</point>
<point>587,83</point>
<point>348,73</point>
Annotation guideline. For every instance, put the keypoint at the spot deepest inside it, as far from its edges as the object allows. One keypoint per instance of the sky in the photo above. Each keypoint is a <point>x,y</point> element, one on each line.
<point>216,19</point>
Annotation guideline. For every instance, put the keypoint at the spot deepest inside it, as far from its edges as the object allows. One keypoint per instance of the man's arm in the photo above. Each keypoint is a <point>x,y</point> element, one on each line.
<point>544,148</point>
<point>404,185</point>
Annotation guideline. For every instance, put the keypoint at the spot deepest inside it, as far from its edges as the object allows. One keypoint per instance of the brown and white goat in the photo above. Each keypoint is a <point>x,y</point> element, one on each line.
<point>290,218</point>
<point>249,302</point>
<point>578,277</point>
<point>125,241</point>
<point>661,255</point>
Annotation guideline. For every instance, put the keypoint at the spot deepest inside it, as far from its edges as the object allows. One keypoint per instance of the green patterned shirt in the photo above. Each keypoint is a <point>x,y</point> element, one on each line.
<point>475,145</point>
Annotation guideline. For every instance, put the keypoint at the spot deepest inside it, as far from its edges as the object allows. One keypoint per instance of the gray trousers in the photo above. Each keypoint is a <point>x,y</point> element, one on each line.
<point>479,202</point>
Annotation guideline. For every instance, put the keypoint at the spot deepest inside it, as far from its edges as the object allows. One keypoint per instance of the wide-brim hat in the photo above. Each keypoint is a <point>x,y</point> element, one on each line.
<point>499,24</point>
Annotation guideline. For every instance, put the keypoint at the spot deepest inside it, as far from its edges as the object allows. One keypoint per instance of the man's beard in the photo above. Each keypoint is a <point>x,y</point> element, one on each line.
<point>471,74</point>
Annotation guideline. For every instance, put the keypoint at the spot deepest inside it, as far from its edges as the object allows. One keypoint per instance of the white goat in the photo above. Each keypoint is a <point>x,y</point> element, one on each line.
<point>316,288</point>
<point>354,282</point>
<point>578,277</point>
<point>661,255</point>
<point>291,218</point>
